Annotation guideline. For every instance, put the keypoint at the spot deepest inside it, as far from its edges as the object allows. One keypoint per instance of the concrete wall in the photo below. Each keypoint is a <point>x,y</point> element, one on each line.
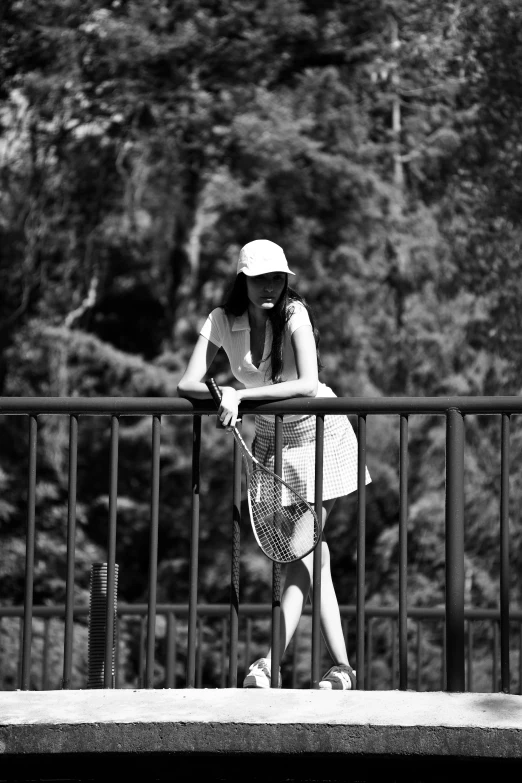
<point>246,731</point>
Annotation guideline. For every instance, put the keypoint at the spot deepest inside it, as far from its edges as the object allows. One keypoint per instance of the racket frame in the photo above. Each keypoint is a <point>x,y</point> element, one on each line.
<point>253,465</point>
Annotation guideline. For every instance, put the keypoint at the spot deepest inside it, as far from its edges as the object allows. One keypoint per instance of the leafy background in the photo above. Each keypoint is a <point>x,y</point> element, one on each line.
<point>142,143</point>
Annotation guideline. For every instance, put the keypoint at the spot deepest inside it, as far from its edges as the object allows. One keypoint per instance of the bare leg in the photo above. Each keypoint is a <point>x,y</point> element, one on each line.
<point>331,625</point>
<point>297,587</point>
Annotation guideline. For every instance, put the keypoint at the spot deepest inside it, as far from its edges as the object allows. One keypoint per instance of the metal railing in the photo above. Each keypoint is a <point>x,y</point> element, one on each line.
<point>452,408</point>
<point>426,626</point>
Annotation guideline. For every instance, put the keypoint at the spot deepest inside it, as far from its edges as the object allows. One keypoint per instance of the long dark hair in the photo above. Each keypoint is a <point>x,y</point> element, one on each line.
<point>236,302</point>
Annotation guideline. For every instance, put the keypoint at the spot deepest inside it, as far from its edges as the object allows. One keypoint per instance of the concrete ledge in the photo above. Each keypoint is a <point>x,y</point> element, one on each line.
<point>377,724</point>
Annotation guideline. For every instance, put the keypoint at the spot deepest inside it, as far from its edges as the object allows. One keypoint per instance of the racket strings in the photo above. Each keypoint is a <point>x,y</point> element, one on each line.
<point>284,532</point>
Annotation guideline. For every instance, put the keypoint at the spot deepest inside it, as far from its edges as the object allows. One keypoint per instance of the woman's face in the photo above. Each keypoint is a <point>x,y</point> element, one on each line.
<point>264,291</point>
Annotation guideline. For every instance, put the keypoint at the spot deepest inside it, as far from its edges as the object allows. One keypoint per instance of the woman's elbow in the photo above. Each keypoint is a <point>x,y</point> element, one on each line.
<point>182,389</point>
<point>310,388</point>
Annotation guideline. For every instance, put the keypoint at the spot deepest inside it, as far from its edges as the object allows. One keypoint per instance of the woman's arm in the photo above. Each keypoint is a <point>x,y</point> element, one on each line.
<point>202,357</point>
<point>191,384</point>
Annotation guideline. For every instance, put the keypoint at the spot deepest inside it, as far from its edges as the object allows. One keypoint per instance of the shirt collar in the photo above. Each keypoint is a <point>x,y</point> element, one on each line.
<point>241,322</point>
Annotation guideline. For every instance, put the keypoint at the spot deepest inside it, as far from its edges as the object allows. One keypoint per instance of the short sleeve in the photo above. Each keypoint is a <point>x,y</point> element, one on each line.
<point>212,329</point>
<point>298,318</point>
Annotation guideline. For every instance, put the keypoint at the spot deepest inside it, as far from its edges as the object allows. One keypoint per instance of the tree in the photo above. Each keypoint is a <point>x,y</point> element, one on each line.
<point>143,143</point>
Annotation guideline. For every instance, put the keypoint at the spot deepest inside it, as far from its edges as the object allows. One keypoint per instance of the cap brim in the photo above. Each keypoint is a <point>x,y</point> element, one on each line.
<point>269,272</point>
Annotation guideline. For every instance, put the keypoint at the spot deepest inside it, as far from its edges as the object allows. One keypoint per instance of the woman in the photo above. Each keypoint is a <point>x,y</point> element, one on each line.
<point>267,332</point>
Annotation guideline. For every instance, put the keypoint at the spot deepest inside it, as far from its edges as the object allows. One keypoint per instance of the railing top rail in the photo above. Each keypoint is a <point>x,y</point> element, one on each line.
<point>175,406</point>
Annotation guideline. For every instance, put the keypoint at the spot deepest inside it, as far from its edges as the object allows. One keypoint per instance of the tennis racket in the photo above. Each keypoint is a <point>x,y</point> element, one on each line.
<point>285,531</point>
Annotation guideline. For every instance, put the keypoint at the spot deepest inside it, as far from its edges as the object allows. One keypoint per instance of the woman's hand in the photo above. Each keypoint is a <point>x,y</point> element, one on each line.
<point>228,409</point>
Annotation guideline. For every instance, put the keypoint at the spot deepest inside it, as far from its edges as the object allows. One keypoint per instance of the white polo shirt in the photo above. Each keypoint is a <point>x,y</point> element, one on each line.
<point>232,333</point>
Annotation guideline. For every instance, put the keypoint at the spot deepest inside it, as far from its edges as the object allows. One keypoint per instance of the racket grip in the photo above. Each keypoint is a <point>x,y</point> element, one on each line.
<point>214,390</point>
<point>216,396</point>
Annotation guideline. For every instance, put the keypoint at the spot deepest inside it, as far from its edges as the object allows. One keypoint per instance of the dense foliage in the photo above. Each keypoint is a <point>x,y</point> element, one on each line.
<point>143,142</point>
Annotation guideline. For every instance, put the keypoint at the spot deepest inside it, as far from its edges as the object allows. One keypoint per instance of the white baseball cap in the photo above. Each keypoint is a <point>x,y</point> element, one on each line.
<point>262,256</point>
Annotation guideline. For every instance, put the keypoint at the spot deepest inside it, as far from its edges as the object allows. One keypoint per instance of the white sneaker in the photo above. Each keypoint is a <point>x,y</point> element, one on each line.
<point>259,675</point>
<point>339,678</point>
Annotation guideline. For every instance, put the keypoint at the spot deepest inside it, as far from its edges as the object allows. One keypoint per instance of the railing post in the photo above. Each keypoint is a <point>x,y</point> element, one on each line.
<point>318,554</point>
<point>194,550</point>
<point>153,551</point>
<point>361,550</point>
<point>71,538</point>
<point>403,555</point>
<point>29,558</point>
<point>234,568</point>
<point>276,569</point>
<point>455,665</point>
<point>504,557</point>
<point>520,658</point>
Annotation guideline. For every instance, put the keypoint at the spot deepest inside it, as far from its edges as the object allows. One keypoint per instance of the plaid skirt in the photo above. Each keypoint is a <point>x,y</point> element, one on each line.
<point>339,455</point>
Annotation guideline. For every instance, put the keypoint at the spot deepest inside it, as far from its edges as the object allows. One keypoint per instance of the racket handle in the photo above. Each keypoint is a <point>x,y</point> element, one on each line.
<point>214,390</point>
<point>216,396</point>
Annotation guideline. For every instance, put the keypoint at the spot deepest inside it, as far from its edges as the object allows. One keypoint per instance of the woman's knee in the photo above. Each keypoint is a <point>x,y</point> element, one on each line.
<point>325,555</point>
<point>297,568</point>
